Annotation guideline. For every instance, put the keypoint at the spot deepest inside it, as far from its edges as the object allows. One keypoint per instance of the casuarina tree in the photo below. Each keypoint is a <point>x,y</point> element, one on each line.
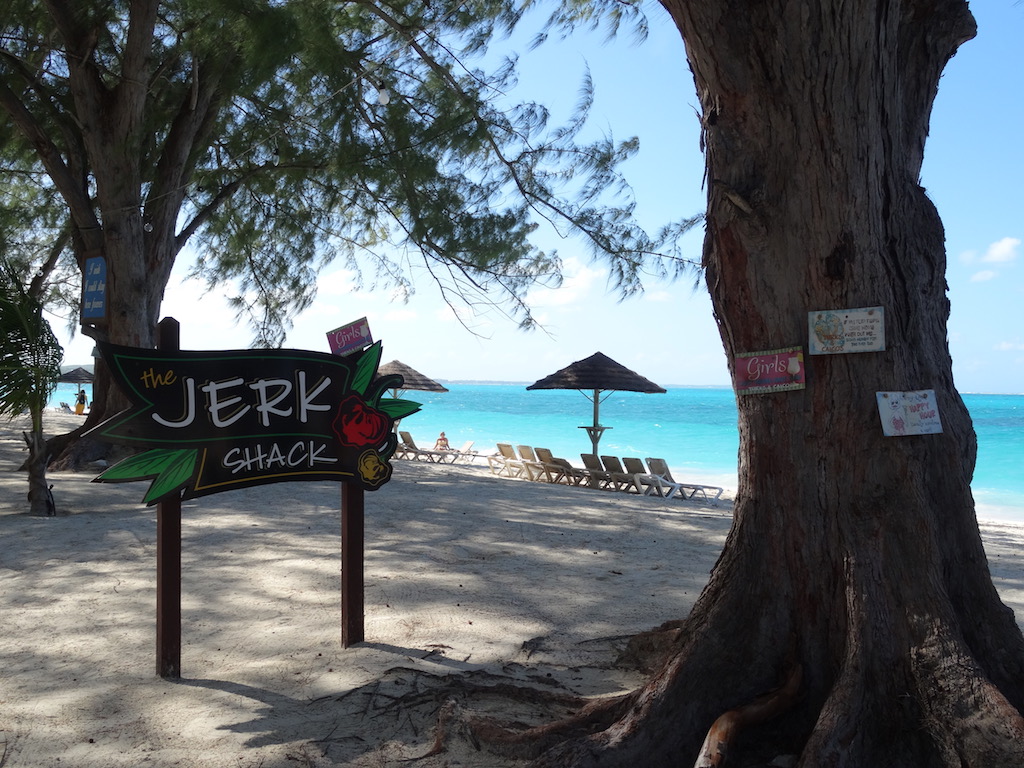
<point>275,137</point>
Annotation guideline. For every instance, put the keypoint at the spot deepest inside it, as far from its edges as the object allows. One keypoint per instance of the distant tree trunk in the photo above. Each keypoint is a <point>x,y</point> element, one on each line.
<point>40,500</point>
<point>856,556</point>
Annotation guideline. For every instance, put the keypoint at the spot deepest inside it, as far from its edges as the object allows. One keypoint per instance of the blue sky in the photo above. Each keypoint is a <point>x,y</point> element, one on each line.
<point>974,172</point>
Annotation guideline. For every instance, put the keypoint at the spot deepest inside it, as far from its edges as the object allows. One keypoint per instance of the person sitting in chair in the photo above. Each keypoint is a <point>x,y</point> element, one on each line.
<point>442,443</point>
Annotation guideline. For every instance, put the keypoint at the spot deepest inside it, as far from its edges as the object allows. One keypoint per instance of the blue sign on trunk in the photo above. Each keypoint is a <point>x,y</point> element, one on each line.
<point>94,290</point>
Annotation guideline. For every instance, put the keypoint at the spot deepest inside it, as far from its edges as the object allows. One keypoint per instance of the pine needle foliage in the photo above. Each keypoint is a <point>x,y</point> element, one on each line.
<point>277,136</point>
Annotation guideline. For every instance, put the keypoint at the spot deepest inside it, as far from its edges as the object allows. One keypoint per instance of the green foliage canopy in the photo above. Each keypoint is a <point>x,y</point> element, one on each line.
<point>29,352</point>
<point>276,136</point>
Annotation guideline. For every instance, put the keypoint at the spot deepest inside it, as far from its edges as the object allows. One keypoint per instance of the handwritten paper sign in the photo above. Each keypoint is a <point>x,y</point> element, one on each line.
<point>842,331</point>
<point>218,421</point>
<point>349,338</point>
<point>94,291</point>
<point>773,371</point>
<point>909,413</point>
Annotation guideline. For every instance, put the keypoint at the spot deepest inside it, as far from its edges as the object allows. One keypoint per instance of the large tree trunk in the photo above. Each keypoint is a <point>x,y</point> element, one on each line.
<point>138,262</point>
<point>854,555</point>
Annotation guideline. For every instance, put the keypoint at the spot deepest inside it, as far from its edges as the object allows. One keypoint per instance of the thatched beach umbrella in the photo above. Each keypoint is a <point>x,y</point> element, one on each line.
<point>76,376</point>
<point>413,379</point>
<point>592,376</point>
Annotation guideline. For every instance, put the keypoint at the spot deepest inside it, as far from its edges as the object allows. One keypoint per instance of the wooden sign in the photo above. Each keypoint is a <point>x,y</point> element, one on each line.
<point>842,331</point>
<point>776,370</point>
<point>217,421</point>
<point>909,413</point>
<point>349,338</point>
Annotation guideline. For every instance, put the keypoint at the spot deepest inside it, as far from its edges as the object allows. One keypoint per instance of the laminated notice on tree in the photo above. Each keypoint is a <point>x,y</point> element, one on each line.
<point>909,413</point>
<point>776,370</point>
<point>842,331</point>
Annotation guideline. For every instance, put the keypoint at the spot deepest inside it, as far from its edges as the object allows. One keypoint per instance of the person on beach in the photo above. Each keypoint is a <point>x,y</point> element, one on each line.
<point>442,443</point>
<point>80,402</point>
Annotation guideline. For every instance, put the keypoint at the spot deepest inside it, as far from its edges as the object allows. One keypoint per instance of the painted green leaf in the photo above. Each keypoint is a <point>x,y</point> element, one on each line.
<point>141,466</point>
<point>178,472</point>
<point>366,368</point>
<point>397,409</point>
<point>170,467</point>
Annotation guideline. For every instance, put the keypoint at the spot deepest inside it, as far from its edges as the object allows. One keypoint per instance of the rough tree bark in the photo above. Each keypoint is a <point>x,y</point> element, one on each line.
<point>137,238</point>
<point>40,499</point>
<point>855,555</point>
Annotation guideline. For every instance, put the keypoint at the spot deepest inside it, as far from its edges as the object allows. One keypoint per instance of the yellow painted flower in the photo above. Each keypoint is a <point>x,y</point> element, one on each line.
<point>373,471</point>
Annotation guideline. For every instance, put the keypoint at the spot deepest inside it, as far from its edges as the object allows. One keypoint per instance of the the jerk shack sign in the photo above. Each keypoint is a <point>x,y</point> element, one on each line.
<point>219,421</point>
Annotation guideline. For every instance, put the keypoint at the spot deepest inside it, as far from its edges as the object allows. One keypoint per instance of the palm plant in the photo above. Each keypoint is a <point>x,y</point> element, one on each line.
<point>29,368</point>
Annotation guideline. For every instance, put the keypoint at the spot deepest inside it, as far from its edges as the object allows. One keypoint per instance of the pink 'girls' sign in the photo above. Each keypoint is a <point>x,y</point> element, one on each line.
<point>775,370</point>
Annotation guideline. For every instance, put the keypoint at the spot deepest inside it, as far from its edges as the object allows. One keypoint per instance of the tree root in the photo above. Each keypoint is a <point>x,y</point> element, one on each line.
<point>594,716</point>
<point>727,727</point>
<point>648,651</point>
<point>563,715</point>
<point>969,718</point>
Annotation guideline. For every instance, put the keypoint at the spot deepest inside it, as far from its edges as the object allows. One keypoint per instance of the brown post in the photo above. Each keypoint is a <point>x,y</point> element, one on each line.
<point>352,629</point>
<point>168,552</point>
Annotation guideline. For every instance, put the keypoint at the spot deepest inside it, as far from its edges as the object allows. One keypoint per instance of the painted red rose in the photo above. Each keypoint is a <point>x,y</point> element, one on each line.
<point>358,425</point>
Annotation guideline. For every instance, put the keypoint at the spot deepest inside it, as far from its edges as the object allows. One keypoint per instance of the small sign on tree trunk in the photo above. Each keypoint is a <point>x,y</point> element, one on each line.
<point>909,413</point>
<point>775,370</point>
<point>842,331</point>
<point>94,291</point>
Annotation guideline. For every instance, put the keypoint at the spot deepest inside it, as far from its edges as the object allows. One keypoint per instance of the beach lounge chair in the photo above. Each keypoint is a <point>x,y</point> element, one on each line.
<point>65,408</point>
<point>561,470</point>
<point>621,479</point>
<point>689,490</point>
<point>506,463</point>
<point>408,446</point>
<point>653,484</point>
<point>599,477</point>
<point>465,452</point>
<point>537,469</point>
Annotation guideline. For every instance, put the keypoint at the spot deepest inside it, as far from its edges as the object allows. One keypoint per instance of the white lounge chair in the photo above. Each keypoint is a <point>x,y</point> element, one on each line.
<point>653,484</point>
<point>599,477</point>
<point>621,479</point>
<point>411,451</point>
<point>505,463</point>
<point>660,467</point>
<point>560,469</point>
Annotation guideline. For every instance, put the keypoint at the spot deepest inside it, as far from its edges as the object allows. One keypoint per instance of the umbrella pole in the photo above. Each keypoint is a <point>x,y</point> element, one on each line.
<point>596,430</point>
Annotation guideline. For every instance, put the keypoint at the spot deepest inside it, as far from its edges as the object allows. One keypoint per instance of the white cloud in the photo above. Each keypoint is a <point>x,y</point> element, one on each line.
<point>576,284</point>
<point>1002,251</point>
<point>980,277</point>
<point>1010,346</point>
<point>657,296</point>
<point>337,283</point>
<point>400,315</point>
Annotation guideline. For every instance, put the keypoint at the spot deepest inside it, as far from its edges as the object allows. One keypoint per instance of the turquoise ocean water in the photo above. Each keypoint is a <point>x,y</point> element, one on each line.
<point>693,428</point>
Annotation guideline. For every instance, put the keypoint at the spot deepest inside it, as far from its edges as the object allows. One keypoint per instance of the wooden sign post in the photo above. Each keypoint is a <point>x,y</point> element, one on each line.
<point>168,551</point>
<point>352,608</point>
<point>213,421</point>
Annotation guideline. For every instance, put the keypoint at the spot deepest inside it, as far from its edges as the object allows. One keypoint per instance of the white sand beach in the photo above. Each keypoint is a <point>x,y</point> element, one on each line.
<point>467,575</point>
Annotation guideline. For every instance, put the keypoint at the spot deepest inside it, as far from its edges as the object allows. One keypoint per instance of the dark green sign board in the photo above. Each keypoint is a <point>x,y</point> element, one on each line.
<point>219,421</point>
